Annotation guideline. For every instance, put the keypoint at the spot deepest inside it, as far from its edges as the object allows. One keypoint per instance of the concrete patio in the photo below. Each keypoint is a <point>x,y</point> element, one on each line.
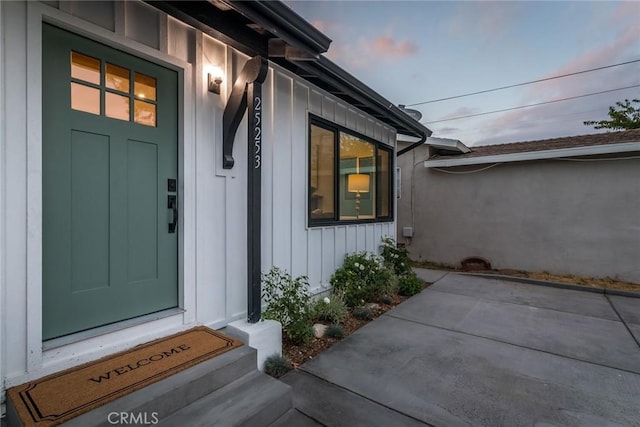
<point>481,351</point>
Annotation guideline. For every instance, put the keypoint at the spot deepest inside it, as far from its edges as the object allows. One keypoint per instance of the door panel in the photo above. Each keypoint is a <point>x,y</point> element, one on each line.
<point>109,146</point>
<point>89,221</point>
<point>142,211</point>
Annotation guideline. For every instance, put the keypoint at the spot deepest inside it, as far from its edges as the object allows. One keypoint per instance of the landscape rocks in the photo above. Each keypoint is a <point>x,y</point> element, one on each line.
<point>319,329</point>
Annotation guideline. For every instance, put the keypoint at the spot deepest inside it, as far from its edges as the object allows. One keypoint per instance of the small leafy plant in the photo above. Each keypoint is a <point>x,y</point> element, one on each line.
<point>361,278</point>
<point>335,331</point>
<point>276,365</point>
<point>288,301</point>
<point>386,299</point>
<point>363,313</point>
<point>395,258</point>
<point>410,285</point>
<point>329,309</point>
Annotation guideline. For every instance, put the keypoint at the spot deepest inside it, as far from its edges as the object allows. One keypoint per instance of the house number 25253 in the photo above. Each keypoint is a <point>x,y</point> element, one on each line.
<point>257,131</point>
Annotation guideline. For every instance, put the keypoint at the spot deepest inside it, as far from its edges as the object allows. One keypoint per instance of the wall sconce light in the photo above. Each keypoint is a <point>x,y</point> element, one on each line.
<point>214,81</point>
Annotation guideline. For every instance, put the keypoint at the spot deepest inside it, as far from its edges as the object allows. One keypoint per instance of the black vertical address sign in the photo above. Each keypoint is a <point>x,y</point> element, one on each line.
<point>247,94</point>
<point>254,200</point>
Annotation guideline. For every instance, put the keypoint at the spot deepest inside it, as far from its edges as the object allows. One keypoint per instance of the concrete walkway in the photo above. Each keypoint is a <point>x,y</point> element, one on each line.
<point>480,351</point>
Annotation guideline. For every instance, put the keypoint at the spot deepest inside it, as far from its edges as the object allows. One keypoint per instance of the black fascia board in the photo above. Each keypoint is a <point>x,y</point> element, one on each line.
<point>285,24</point>
<point>227,26</point>
<point>335,79</point>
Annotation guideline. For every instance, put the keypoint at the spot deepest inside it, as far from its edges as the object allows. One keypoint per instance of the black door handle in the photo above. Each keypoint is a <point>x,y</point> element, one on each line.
<point>172,203</point>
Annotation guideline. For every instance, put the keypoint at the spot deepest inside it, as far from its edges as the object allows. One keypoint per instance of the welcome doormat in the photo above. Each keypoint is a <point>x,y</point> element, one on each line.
<point>56,398</point>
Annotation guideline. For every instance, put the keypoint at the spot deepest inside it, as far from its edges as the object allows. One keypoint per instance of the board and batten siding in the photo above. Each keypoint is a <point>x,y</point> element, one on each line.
<point>287,241</point>
<point>212,228</point>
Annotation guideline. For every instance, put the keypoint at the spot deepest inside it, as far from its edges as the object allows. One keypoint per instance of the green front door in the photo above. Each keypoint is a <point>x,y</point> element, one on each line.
<point>110,250</point>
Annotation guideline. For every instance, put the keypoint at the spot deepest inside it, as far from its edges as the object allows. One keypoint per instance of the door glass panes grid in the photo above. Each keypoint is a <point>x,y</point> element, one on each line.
<point>91,79</point>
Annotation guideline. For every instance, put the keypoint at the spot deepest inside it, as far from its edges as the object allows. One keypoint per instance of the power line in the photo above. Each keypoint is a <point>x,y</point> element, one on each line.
<point>531,105</point>
<point>553,118</point>
<point>523,84</point>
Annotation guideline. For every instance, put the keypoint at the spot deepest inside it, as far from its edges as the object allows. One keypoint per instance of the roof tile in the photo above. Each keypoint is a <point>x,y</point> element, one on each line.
<point>550,144</point>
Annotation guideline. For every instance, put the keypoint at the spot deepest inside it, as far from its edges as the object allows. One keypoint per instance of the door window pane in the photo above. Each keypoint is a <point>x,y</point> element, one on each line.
<point>117,78</point>
<point>116,106</point>
<point>322,173</point>
<point>85,98</point>
<point>145,87</point>
<point>85,68</point>
<point>145,113</point>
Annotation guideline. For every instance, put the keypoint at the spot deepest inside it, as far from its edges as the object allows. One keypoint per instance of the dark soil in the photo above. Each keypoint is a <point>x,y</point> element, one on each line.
<point>298,354</point>
<point>592,282</point>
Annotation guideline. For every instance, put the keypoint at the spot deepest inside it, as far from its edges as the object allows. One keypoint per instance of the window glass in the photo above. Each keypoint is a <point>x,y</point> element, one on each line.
<point>357,178</point>
<point>117,78</point>
<point>384,188</point>
<point>85,68</point>
<point>145,113</point>
<point>322,173</point>
<point>350,176</point>
<point>85,98</point>
<point>116,89</point>
<point>116,106</point>
<point>145,87</point>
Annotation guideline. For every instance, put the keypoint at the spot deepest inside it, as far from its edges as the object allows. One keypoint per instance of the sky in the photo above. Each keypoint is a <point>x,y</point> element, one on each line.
<point>416,51</point>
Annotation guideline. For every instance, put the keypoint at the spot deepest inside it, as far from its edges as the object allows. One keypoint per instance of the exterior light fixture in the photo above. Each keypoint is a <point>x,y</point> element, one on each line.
<point>214,82</point>
<point>214,78</point>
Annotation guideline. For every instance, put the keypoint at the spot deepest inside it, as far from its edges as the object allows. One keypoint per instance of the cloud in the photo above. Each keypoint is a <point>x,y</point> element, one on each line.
<point>458,112</point>
<point>368,51</point>
<point>625,12</point>
<point>320,25</point>
<point>482,20</point>
<point>444,131</point>
<point>566,117</point>
<point>393,49</point>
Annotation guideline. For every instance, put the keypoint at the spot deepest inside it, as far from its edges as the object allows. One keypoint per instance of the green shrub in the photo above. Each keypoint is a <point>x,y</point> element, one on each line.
<point>288,302</point>
<point>329,309</point>
<point>335,331</point>
<point>276,365</point>
<point>386,299</point>
<point>361,278</point>
<point>363,313</point>
<point>395,258</point>
<point>410,285</point>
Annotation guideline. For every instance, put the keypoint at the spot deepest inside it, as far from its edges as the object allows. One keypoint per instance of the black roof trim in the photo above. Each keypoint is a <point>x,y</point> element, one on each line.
<point>235,24</point>
<point>281,21</point>
<point>341,84</point>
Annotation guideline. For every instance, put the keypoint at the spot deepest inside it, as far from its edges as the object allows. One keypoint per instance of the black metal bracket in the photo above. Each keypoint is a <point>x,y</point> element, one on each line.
<point>254,71</point>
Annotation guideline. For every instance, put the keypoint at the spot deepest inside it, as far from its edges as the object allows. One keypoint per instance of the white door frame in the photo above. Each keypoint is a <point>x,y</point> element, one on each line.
<point>41,362</point>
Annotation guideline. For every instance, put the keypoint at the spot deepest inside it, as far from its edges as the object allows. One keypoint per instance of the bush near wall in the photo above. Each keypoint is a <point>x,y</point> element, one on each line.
<point>362,278</point>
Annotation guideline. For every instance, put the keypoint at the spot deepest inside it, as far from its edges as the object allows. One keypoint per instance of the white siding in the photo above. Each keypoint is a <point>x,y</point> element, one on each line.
<point>213,222</point>
<point>2,211</point>
<point>314,252</point>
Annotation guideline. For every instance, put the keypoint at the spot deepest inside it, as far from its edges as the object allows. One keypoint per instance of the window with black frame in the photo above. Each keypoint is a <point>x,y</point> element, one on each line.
<point>349,176</point>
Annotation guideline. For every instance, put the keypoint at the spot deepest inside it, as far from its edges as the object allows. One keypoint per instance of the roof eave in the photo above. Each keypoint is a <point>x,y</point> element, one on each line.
<point>348,85</point>
<point>280,20</point>
<point>283,25</point>
<point>625,147</point>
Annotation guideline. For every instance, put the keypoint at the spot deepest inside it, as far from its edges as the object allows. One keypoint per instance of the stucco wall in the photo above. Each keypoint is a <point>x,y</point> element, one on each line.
<point>560,216</point>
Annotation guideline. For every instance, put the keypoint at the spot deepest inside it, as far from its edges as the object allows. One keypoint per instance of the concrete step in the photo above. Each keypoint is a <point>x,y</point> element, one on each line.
<point>331,405</point>
<point>295,418</point>
<point>163,398</point>
<point>253,400</point>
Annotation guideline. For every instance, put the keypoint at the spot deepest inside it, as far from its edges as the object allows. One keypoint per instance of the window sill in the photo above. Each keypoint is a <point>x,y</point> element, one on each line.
<point>342,222</point>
